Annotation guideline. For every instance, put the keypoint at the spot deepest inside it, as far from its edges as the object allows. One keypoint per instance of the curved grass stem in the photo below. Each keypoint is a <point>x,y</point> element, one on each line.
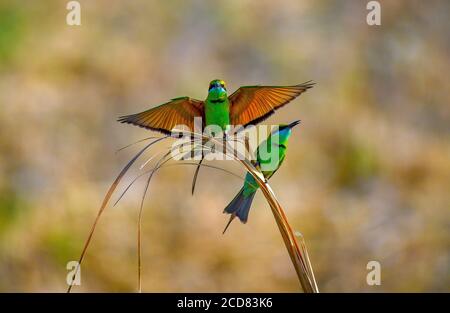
<point>298,253</point>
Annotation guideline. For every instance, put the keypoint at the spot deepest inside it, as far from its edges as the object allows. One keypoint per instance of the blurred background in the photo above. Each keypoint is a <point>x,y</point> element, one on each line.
<point>366,177</point>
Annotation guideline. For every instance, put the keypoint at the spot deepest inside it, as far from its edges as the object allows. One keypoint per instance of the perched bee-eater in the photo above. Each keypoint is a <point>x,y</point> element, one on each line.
<point>249,105</point>
<point>270,151</point>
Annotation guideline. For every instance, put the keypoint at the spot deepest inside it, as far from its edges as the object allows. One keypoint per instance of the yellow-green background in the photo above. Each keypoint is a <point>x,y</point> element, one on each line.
<point>367,175</point>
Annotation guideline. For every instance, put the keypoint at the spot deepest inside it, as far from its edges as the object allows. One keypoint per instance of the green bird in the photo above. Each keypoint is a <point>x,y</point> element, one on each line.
<point>270,154</point>
<point>248,105</point>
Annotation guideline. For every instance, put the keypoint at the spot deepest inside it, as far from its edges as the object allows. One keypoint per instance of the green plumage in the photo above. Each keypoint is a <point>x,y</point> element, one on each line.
<point>217,113</point>
<point>217,105</point>
<point>270,154</point>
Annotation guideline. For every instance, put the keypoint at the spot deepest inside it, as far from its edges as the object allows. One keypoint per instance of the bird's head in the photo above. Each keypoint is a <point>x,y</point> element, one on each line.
<point>284,131</point>
<point>217,90</point>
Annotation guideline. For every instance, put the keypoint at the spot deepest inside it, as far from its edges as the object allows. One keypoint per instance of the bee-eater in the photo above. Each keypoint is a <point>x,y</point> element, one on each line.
<point>271,151</point>
<point>248,105</point>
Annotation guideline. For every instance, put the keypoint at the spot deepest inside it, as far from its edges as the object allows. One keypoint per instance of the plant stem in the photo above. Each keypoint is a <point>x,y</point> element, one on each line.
<point>299,257</point>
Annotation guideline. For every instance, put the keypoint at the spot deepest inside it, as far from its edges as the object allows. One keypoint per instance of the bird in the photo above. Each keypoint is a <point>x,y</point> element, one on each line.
<point>248,105</point>
<point>270,154</point>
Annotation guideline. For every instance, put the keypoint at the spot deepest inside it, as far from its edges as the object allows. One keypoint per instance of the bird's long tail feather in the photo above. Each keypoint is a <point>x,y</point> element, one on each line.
<point>194,180</point>
<point>240,207</point>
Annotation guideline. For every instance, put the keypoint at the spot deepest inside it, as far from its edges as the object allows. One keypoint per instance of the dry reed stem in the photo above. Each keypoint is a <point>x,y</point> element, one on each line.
<point>299,256</point>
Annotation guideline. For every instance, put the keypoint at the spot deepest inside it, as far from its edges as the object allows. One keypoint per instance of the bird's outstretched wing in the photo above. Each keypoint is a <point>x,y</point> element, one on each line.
<point>163,118</point>
<point>253,104</point>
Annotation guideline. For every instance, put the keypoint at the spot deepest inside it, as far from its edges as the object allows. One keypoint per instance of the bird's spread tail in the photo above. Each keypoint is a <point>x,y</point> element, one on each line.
<point>240,207</point>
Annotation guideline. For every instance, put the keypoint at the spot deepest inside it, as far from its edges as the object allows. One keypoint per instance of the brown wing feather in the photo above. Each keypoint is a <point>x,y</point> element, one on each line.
<point>253,104</point>
<point>163,118</point>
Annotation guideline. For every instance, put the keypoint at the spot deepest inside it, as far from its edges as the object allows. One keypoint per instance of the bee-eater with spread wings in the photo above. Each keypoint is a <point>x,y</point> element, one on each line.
<point>248,105</point>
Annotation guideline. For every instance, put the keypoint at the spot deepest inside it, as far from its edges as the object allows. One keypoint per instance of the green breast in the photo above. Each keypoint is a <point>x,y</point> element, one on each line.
<point>217,113</point>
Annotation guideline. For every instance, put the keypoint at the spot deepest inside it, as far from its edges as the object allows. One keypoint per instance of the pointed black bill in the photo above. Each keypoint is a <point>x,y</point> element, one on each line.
<point>294,124</point>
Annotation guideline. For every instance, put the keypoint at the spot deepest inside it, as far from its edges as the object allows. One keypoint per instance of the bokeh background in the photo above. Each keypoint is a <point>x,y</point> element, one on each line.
<point>367,176</point>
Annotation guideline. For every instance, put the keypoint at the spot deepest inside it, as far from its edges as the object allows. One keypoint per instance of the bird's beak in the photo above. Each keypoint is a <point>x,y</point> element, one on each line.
<point>294,123</point>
